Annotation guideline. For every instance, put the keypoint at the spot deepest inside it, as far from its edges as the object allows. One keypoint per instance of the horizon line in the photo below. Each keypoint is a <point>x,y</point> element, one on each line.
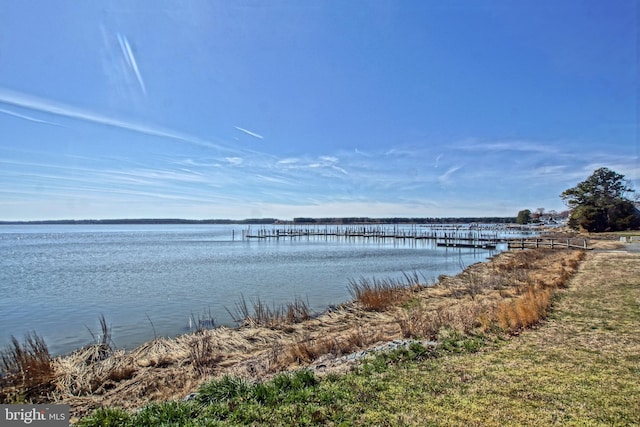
<point>259,220</point>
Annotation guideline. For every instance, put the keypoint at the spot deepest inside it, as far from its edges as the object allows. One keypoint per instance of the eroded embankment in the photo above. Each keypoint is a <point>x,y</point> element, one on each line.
<point>511,292</point>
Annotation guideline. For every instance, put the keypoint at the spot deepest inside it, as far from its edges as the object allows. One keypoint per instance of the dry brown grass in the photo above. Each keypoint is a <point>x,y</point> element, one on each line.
<point>28,370</point>
<point>380,294</point>
<point>525,311</point>
<point>203,355</point>
<point>535,294</point>
<point>258,313</point>
<point>423,323</point>
<point>514,291</point>
<point>308,349</point>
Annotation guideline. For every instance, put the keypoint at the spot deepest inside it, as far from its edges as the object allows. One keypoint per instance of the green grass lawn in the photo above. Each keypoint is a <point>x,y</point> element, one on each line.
<point>579,367</point>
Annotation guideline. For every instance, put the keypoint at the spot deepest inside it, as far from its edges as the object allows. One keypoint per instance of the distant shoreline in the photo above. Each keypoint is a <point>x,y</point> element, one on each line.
<point>306,221</point>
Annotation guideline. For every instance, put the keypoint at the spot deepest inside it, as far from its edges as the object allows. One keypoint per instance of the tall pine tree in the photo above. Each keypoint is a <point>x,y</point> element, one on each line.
<point>600,203</point>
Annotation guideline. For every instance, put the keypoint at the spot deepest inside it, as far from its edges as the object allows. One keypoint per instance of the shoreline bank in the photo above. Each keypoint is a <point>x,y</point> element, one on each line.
<point>170,369</point>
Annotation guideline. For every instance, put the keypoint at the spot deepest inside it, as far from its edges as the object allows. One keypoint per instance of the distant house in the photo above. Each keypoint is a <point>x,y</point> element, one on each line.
<point>553,218</point>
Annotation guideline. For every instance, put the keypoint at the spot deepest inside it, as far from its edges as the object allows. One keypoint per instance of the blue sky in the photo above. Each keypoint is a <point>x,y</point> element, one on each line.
<point>243,109</point>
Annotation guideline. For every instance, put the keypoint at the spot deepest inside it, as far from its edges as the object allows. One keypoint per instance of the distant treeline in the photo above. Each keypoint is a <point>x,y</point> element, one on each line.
<point>400,220</point>
<point>307,221</point>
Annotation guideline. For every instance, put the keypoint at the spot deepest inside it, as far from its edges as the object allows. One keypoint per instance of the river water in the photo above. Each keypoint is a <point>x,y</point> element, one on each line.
<point>150,280</point>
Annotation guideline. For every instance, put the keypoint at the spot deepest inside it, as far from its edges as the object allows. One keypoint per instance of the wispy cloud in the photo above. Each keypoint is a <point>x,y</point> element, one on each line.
<point>437,162</point>
<point>445,178</point>
<point>43,180</point>
<point>399,152</point>
<point>346,181</point>
<point>551,170</point>
<point>515,145</point>
<point>29,118</point>
<point>288,161</point>
<point>51,107</point>
<point>154,175</point>
<point>198,163</point>
<point>329,159</point>
<point>322,164</point>
<point>131,60</point>
<point>275,179</point>
<point>248,132</point>
<point>235,161</point>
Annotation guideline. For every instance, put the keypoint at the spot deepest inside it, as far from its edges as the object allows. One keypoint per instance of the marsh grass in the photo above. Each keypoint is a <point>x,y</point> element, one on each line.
<point>103,345</point>
<point>199,321</point>
<point>26,368</point>
<point>308,349</point>
<point>422,323</point>
<point>522,260</point>
<point>526,310</point>
<point>514,293</point>
<point>204,355</point>
<point>258,313</point>
<point>534,296</point>
<point>103,339</point>
<point>379,294</point>
<point>470,283</point>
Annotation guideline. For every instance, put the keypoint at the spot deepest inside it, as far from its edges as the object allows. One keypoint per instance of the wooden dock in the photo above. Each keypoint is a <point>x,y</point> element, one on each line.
<point>467,244</point>
<point>363,232</point>
<point>446,237</point>
<point>547,242</point>
<point>452,237</point>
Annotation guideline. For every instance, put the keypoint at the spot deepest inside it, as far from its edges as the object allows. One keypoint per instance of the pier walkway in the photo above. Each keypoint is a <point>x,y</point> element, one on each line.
<point>480,236</point>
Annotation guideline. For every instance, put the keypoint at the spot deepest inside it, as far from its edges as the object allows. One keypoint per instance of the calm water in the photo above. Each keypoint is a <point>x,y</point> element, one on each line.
<point>57,280</point>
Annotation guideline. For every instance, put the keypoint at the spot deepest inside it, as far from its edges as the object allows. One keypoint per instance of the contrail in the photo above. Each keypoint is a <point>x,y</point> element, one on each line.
<point>131,60</point>
<point>31,119</point>
<point>47,106</point>
<point>248,132</point>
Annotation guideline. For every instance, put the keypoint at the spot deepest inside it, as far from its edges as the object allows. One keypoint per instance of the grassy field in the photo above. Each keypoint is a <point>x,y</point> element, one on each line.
<point>580,366</point>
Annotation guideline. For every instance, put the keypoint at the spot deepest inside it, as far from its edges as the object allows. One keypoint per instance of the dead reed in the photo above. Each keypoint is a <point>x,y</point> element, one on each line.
<point>535,294</point>
<point>309,348</point>
<point>26,370</point>
<point>525,282</point>
<point>521,260</point>
<point>525,311</point>
<point>379,294</point>
<point>261,314</point>
<point>472,283</point>
<point>422,323</point>
<point>199,322</point>
<point>103,345</point>
<point>203,354</point>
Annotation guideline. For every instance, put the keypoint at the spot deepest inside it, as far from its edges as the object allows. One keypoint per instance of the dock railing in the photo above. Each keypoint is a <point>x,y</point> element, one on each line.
<point>553,243</point>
